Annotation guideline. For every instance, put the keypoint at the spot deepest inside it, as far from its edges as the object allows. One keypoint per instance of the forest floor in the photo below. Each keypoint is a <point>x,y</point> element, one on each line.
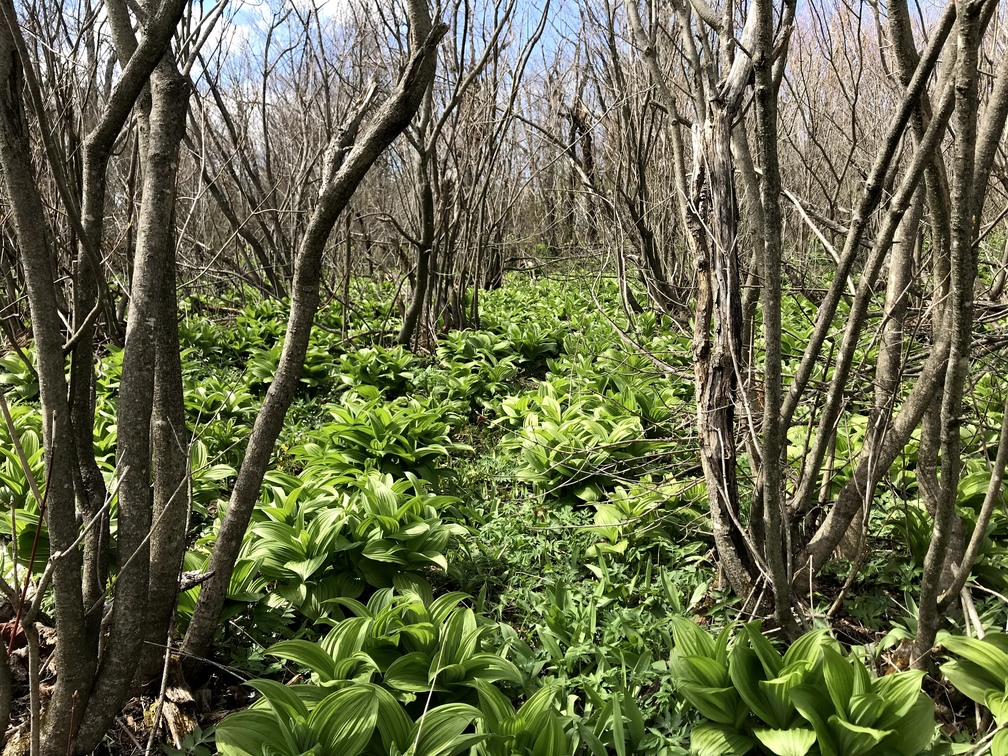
<point>494,546</point>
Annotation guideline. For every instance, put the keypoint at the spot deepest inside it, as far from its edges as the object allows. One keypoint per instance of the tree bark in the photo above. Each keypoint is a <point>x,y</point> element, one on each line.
<point>422,284</point>
<point>389,121</point>
<point>775,543</point>
<point>132,608</point>
<point>717,344</point>
<point>74,654</point>
<point>974,147</point>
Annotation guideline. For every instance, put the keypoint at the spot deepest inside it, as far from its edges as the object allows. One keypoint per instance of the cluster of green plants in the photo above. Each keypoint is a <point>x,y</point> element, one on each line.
<point>492,548</point>
<point>979,670</point>
<point>813,699</point>
<point>20,515</point>
<point>355,521</point>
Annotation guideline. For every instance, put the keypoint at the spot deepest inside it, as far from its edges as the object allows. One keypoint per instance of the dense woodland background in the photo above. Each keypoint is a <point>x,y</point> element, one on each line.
<point>504,377</point>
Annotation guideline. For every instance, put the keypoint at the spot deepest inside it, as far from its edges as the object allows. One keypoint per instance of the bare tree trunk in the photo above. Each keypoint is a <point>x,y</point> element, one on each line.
<point>422,283</point>
<point>939,203</point>
<point>775,542</point>
<point>90,688</point>
<point>974,150</point>
<point>74,654</point>
<point>717,345</point>
<point>133,608</point>
<point>170,439</point>
<point>392,117</point>
<point>90,292</point>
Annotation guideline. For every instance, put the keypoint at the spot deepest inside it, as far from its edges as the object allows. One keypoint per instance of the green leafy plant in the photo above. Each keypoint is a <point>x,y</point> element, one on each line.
<point>980,672</point>
<point>394,437</point>
<point>810,700</point>
<point>16,378</point>
<point>219,396</point>
<point>357,720</point>
<point>20,516</point>
<point>210,345</point>
<point>535,342</point>
<point>579,449</point>
<point>327,539</point>
<point>195,743</point>
<point>318,372</point>
<point>536,728</point>
<point>413,646</point>
<point>480,383</point>
<point>642,515</point>
<point>207,476</point>
<point>388,370</point>
<point>466,346</point>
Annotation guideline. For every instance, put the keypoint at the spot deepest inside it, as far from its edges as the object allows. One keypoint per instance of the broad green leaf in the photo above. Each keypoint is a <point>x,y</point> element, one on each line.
<point>998,640</point>
<point>440,732</point>
<point>589,738</point>
<point>777,693</point>
<point>792,742</point>
<point>999,745</point>
<point>983,653</point>
<point>305,654</point>
<point>865,709</point>
<point>808,647</point>
<point>248,732</point>
<point>701,670</point>
<point>447,674</point>
<point>839,676</point>
<point>359,667</point>
<point>416,586</point>
<point>410,673</point>
<point>551,740</point>
<point>716,704</point>
<point>393,724</point>
<point>540,701</point>
<point>385,551</point>
<point>746,673</point>
<point>853,740</point>
<point>815,706</point>
<point>443,605</point>
<point>281,698</point>
<point>899,692</point>
<point>768,656</point>
<point>347,638</point>
<point>997,702</point>
<point>421,635</point>
<point>459,637</point>
<point>721,642</point>
<point>491,668</point>
<point>305,568</point>
<point>690,639</point>
<point>972,680</point>
<point>862,680</point>
<point>915,730</point>
<point>495,706</point>
<point>346,720</point>
<point>718,740</point>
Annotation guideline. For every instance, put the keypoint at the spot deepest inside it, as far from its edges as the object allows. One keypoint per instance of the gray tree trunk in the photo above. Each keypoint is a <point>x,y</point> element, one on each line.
<point>391,118</point>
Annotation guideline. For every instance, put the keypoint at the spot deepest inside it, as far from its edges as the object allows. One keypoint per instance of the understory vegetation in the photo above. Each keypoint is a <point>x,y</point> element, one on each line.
<point>502,546</point>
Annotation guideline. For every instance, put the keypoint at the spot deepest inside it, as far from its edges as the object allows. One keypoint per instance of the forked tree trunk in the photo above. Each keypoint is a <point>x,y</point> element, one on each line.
<point>151,521</point>
<point>391,118</point>
<point>976,143</point>
<point>422,280</point>
<point>73,659</point>
<point>169,435</point>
